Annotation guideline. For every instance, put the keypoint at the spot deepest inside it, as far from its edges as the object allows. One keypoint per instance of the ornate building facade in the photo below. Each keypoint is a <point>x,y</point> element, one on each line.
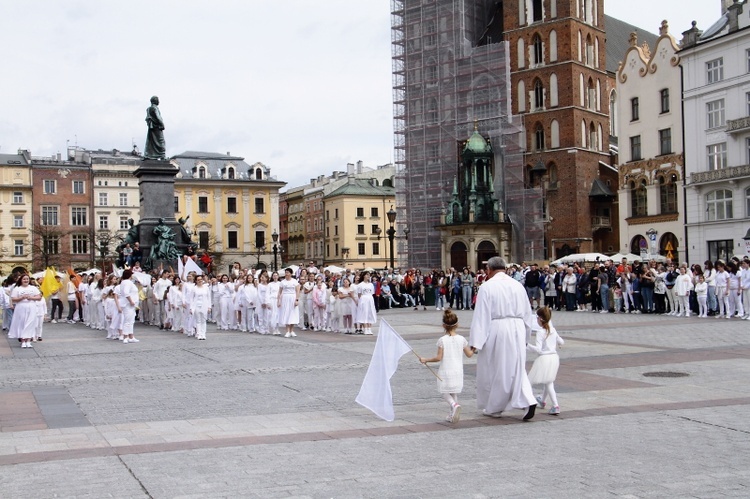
<point>651,162</point>
<point>233,207</point>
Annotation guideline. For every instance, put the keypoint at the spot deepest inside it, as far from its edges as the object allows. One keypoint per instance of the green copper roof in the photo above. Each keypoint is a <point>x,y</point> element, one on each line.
<point>477,144</point>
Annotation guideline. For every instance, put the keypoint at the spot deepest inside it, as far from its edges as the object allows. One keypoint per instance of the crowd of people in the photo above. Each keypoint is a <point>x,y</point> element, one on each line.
<point>716,289</point>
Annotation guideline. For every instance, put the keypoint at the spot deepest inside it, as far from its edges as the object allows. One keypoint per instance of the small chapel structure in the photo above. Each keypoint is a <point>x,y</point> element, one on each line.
<point>474,227</point>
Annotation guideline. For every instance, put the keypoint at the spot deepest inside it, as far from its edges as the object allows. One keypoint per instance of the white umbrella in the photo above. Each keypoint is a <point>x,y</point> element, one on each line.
<point>581,257</point>
<point>334,269</point>
<point>142,277</point>
<point>630,257</point>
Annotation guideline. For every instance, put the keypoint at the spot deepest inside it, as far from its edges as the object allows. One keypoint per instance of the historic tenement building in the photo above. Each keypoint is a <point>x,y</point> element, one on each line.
<point>650,165</point>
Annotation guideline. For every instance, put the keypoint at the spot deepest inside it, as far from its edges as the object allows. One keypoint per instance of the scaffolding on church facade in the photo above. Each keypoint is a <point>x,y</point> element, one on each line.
<point>450,76</point>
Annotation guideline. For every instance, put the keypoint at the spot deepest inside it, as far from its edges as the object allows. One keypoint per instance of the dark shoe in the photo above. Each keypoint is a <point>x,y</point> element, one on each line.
<point>530,413</point>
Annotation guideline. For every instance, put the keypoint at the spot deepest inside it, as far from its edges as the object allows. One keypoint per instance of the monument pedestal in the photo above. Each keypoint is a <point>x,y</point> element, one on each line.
<point>156,185</point>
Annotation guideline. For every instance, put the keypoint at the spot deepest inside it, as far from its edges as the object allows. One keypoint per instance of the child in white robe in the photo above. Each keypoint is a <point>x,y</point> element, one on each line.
<point>451,372</point>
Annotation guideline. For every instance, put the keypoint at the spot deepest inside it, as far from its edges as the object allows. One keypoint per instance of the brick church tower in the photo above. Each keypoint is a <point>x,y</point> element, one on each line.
<point>560,89</point>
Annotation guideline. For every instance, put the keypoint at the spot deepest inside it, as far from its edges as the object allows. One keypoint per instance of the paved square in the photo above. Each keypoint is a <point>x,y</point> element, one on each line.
<point>245,415</point>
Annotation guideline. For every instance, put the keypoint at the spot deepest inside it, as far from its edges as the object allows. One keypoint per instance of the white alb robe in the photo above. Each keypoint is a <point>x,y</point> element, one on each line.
<point>500,329</point>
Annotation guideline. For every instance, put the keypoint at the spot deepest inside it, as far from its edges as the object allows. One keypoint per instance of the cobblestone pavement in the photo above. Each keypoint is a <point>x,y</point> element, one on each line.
<point>245,415</point>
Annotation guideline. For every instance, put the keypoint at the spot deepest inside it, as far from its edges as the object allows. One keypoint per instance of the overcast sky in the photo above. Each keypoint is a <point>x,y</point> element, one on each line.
<point>303,86</point>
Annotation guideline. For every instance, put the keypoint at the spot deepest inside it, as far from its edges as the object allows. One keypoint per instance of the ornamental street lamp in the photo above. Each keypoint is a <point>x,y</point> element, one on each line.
<point>275,237</point>
<point>391,232</point>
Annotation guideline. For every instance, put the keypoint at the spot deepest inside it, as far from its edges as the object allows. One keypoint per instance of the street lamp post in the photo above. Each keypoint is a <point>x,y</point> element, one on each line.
<point>391,232</point>
<point>275,237</point>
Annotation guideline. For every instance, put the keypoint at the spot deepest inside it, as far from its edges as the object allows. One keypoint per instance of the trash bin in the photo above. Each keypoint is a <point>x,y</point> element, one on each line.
<point>429,295</point>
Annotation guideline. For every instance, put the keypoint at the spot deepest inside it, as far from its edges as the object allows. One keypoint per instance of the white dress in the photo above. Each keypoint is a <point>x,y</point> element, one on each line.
<point>273,301</point>
<point>544,369</point>
<point>23,324</point>
<point>288,312</point>
<point>366,307</point>
<point>451,369</point>
<point>346,304</point>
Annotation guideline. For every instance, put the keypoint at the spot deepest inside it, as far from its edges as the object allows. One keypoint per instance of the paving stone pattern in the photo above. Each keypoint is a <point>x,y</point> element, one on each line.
<point>244,415</point>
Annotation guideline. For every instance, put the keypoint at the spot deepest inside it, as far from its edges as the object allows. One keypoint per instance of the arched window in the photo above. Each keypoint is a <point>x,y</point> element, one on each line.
<point>589,51</point>
<point>521,53</point>
<point>230,173</point>
<point>613,113</point>
<point>593,143</point>
<point>432,111</point>
<point>431,71</point>
<point>539,137</point>
<point>553,90</point>
<point>202,172</point>
<point>552,175</point>
<point>259,174</point>
<point>596,52</point>
<point>538,50</point>
<point>598,95</point>
<point>591,95</point>
<point>600,137</point>
<point>536,5</point>
<point>580,46</point>
<point>521,12</point>
<point>553,45</point>
<point>637,244</point>
<point>582,90</point>
<point>583,134</point>
<point>554,132</point>
<point>668,193</point>
<point>521,96</point>
<point>719,205</point>
<point>638,201</point>
<point>538,94</point>
<point>553,8</point>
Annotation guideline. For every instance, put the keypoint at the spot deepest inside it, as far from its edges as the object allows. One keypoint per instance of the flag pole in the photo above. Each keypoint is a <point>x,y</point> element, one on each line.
<point>428,367</point>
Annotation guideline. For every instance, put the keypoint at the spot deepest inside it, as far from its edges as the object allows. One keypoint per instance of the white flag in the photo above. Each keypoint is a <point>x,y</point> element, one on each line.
<point>375,393</point>
<point>180,269</point>
<point>191,266</point>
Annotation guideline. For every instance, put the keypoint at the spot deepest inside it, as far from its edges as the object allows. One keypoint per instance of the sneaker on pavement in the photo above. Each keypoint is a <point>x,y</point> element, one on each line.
<point>125,340</point>
<point>133,340</point>
<point>288,335</point>
<point>554,411</point>
<point>540,402</point>
<point>53,321</point>
<point>492,414</point>
<point>294,335</point>
<point>455,413</point>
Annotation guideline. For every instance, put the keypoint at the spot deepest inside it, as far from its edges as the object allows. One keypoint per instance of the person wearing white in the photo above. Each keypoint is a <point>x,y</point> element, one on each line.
<point>273,294</point>
<point>177,304</point>
<point>710,274</point>
<point>682,287</point>
<point>200,306</point>
<point>701,293</point>
<point>127,297</point>
<point>247,294</point>
<point>735,290</point>
<point>722,289</point>
<point>544,369</point>
<point>451,349</point>
<point>287,302</point>
<point>41,312</point>
<point>263,309</point>
<point>160,305</point>
<point>215,314</point>
<point>500,330</point>
<point>319,304</point>
<point>347,304</point>
<point>188,319</point>
<point>305,299</point>
<point>24,322</point>
<point>224,290</point>
<point>366,314</point>
<point>745,286</point>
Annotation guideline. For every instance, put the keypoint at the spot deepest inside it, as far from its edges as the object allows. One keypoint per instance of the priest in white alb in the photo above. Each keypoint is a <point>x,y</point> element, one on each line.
<point>500,329</point>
